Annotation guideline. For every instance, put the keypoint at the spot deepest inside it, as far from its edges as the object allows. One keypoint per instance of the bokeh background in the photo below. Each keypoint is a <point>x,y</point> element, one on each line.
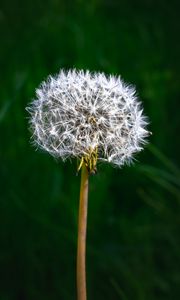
<point>133,244</point>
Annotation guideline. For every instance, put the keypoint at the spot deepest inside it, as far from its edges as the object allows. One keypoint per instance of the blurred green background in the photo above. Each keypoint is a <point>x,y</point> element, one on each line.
<point>133,244</point>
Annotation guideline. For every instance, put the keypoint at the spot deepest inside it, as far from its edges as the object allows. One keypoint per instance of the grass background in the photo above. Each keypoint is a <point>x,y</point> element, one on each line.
<point>133,245</point>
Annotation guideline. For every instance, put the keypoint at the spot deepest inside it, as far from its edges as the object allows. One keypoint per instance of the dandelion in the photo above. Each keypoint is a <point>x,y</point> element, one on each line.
<point>91,117</point>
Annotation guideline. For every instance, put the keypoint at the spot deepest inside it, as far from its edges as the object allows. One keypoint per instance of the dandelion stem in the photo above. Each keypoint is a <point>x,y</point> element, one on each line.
<point>82,224</point>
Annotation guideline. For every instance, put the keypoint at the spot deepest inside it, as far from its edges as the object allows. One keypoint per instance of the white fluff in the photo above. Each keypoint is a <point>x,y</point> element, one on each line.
<point>78,111</point>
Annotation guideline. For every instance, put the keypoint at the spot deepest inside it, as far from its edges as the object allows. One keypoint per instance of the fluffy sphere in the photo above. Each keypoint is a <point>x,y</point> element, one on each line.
<point>77,113</point>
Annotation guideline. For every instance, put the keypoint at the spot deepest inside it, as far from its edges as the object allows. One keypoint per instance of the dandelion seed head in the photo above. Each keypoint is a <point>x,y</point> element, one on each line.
<point>78,113</point>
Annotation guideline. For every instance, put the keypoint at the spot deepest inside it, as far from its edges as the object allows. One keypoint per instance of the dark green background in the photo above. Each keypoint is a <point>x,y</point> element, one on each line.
<point>133,245</point>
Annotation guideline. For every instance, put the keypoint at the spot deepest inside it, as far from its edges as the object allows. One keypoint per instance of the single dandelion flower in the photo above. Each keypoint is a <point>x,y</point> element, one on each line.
<point>91,117</point>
